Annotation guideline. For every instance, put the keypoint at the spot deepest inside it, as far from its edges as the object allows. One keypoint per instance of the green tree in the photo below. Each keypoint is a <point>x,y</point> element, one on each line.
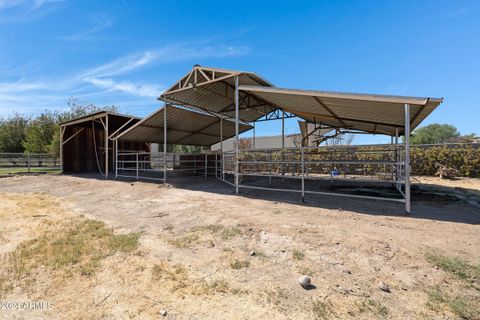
<point>42,135</point>
<point>39,133</point>
<point>12,133</point>
<point>435,133</point>
<point>75,110</point>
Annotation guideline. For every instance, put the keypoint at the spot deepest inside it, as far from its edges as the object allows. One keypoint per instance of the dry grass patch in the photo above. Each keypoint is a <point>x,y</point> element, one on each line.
<point>196,235</point>
<point>185,242</point>
<point>229,233</point>
<point>465,308</point>
<point>321,310</point>
<point>372,306</point>
<point>306,271</point>
<point>276,296</point>
<point>454,265</point>
<point>178,279</point>
<point>78,246</point>
<point>298,255</point>
<point>239,264</point>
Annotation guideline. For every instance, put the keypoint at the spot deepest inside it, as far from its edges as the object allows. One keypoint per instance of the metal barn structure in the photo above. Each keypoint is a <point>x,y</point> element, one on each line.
<point>208,105</point>
<point>86,143</point>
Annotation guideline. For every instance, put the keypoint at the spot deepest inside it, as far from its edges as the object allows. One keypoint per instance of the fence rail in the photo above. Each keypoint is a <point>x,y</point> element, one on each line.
<point>27,162</point>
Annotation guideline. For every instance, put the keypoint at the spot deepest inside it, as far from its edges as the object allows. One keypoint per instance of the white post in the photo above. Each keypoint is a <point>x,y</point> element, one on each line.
<point>407,158</point>
<point>106,146</point>
<point>206,163</point>
<point>62,131</point>
<point>221,144</point>
<point>116,159</point>
<point>271,167</point>
<point>303,176</point>
<point>165,143</point>
<point>254,135</point>
<point>283,143</point>
<point>136,162</point>
<point>236,136</point>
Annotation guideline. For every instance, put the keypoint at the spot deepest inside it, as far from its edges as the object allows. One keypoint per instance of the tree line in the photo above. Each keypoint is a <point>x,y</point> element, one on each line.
<point>41,133</point>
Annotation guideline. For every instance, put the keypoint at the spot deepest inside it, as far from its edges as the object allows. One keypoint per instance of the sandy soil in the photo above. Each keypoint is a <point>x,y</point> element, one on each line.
<point>467,183</point>
<point>347,246</point>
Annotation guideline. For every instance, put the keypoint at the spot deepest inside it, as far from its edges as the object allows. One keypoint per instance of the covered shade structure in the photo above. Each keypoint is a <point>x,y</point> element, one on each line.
<point>208,105</point>
<point>213,89</point>
<point>183,126</point>
<point>382,114</point>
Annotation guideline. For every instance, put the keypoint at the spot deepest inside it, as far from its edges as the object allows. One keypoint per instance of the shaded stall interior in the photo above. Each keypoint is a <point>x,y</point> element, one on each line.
<point>86,142</point>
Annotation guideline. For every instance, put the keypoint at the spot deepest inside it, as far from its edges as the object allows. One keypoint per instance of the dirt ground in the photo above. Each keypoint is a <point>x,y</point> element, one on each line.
<point>468,183</point>
<point>194,259</point>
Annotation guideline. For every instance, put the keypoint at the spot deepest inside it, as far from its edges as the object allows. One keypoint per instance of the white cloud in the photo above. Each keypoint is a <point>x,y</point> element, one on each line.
<point>98,21</point>
<point>37,4</point>
<point>19,11</point>
<point>163,55</point>
<point>108,83</point>
<point>142,90</point>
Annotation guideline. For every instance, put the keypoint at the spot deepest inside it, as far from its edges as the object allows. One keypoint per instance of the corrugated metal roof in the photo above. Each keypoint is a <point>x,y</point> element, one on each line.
<point>95,115</point>
<point>184,126</point>
<point>213,89</point>
<point>371,113</point>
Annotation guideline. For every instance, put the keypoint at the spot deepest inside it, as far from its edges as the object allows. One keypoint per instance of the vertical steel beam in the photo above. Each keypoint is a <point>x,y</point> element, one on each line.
<point>271,167</point>
<point>116,159</point>
<point>106,146</point>
<point>62,132</point>
<point>407,158</point>
<point>236,136</point>
<point>221,146</point>
<point>136,162</point>
<point>397,159</point>
<point>253,135</point>
<point>303,176</point>
<point>206,163</point>
<point>165,143</point>
<point>283,143</point>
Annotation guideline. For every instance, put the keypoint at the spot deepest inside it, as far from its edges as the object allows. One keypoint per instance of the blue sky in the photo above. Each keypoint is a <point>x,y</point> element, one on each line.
<point>126,52</point>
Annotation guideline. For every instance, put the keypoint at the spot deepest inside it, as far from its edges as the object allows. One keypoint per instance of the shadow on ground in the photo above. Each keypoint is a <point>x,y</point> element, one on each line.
<point>424,206</point>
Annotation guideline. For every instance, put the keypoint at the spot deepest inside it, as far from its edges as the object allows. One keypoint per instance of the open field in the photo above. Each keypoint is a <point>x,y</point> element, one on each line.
<point>127,250</point>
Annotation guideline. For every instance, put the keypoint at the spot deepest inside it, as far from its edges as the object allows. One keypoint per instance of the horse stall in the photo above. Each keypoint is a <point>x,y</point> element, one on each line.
<point>86,144</point>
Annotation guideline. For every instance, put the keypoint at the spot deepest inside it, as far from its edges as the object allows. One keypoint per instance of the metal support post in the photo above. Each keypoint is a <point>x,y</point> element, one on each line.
<point>303,176</point>
<point>283,144</point>
<point>221,146</point>
<point>407,158</point>
<point>206,163</point>
<point>106,147</point>
<point>136,162</point>
<point>116,159</point>
<point>62,132</point>
<point>165,143</point>
<point>28,162</point>
<point>270,165</point>
<point>254,135</point>
<point>236,137</point>
<point>397,159</point>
